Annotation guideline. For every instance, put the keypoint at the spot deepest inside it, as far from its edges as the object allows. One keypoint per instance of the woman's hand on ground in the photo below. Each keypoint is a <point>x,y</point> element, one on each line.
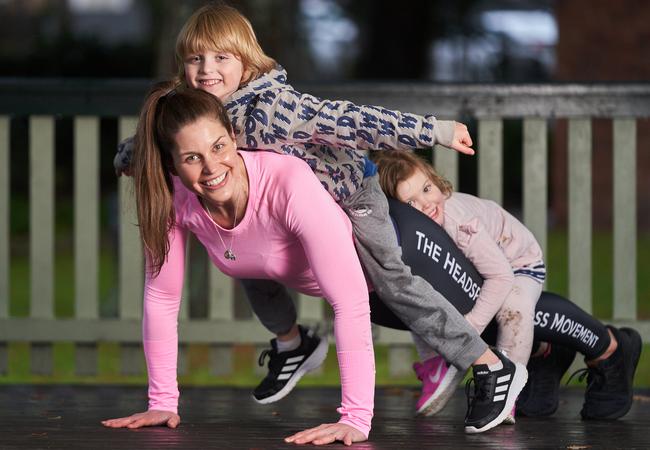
<point>462,141</point>
<point>149,418</point>
<point>326,434</point>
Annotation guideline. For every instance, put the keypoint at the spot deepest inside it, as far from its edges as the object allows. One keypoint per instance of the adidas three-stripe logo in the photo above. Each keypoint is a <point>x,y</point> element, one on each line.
<point>290,366</point>
<point>503,384</point>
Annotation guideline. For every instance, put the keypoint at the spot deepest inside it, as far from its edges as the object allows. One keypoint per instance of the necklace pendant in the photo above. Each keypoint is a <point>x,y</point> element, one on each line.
<point>228,254</point>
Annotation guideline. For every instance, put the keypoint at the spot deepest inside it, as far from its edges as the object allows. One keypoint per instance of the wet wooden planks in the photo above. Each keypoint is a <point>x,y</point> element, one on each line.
<point>67,417</point>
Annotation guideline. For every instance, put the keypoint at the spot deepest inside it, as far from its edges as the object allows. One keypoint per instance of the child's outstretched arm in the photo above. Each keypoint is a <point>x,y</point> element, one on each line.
<point>289,117</point>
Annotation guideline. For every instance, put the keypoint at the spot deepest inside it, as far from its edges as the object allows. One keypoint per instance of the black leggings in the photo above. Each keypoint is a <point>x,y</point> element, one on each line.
<point>431,254</point>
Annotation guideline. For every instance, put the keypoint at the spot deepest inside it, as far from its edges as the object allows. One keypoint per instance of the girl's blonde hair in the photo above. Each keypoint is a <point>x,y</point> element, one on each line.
<point>221,28</point>
<point>166,110</point>
<point>396,166</point>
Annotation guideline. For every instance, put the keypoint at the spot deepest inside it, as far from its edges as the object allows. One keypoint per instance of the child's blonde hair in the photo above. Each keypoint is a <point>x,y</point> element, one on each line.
<point>396,166</point>
<point>221,28</point>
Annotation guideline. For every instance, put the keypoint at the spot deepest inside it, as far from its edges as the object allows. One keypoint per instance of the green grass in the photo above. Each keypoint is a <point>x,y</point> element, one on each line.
<point>602,266</point>
<point>244,357</point>
<point>63,284</point>
<point>243,374</point>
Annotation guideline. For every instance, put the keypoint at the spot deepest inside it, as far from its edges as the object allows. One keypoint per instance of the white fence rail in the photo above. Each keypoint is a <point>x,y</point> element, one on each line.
<point>490,105</point>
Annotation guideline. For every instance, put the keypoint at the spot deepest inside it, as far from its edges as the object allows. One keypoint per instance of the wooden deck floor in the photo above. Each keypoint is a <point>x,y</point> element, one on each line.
<point>67,417</point>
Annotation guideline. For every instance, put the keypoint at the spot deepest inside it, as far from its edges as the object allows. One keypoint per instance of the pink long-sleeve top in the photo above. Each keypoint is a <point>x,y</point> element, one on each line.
<point>292,232</point>
<point>497,244</point>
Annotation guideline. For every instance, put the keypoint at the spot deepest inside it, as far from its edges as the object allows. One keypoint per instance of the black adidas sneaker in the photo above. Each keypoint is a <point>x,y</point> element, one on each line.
<point>286,368</point>
<point>495,393</point>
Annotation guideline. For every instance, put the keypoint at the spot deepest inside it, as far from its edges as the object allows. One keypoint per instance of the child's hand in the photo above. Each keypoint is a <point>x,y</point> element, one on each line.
<point>326,434</point>
<point>122,160</point>
<point>149,418</point>
<point>462,141</point>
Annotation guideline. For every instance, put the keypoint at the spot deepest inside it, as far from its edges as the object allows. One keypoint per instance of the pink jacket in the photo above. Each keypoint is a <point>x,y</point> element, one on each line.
<point>496,243</point>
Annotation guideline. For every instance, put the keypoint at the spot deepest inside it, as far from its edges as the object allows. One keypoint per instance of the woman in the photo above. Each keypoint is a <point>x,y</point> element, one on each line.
<point>254,214</point>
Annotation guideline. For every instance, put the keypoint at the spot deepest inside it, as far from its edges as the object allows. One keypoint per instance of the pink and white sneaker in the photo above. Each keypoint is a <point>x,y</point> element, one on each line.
<point>439,381</point>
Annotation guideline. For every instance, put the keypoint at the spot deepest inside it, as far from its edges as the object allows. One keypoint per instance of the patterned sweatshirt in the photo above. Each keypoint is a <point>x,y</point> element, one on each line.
<point>269,114</point>
<point>292,232</point>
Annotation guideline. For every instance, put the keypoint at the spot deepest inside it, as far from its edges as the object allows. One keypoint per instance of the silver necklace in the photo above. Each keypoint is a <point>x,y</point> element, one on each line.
<point>228,254</point>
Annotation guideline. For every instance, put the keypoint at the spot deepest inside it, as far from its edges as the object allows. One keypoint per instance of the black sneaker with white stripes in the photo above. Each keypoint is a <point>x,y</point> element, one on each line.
<point>286,368</point>
<point>495,393</point>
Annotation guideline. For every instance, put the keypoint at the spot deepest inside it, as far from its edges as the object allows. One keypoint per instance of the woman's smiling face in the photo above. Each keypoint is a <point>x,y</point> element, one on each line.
<point>421,193</point>
<point>207,162</point>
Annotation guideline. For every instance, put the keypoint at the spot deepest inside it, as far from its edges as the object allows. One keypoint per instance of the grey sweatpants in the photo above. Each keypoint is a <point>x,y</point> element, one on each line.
<point>410,297</point>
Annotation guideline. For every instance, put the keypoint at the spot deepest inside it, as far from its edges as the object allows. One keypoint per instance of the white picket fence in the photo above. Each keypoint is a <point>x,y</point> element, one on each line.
<point>490,105</point>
